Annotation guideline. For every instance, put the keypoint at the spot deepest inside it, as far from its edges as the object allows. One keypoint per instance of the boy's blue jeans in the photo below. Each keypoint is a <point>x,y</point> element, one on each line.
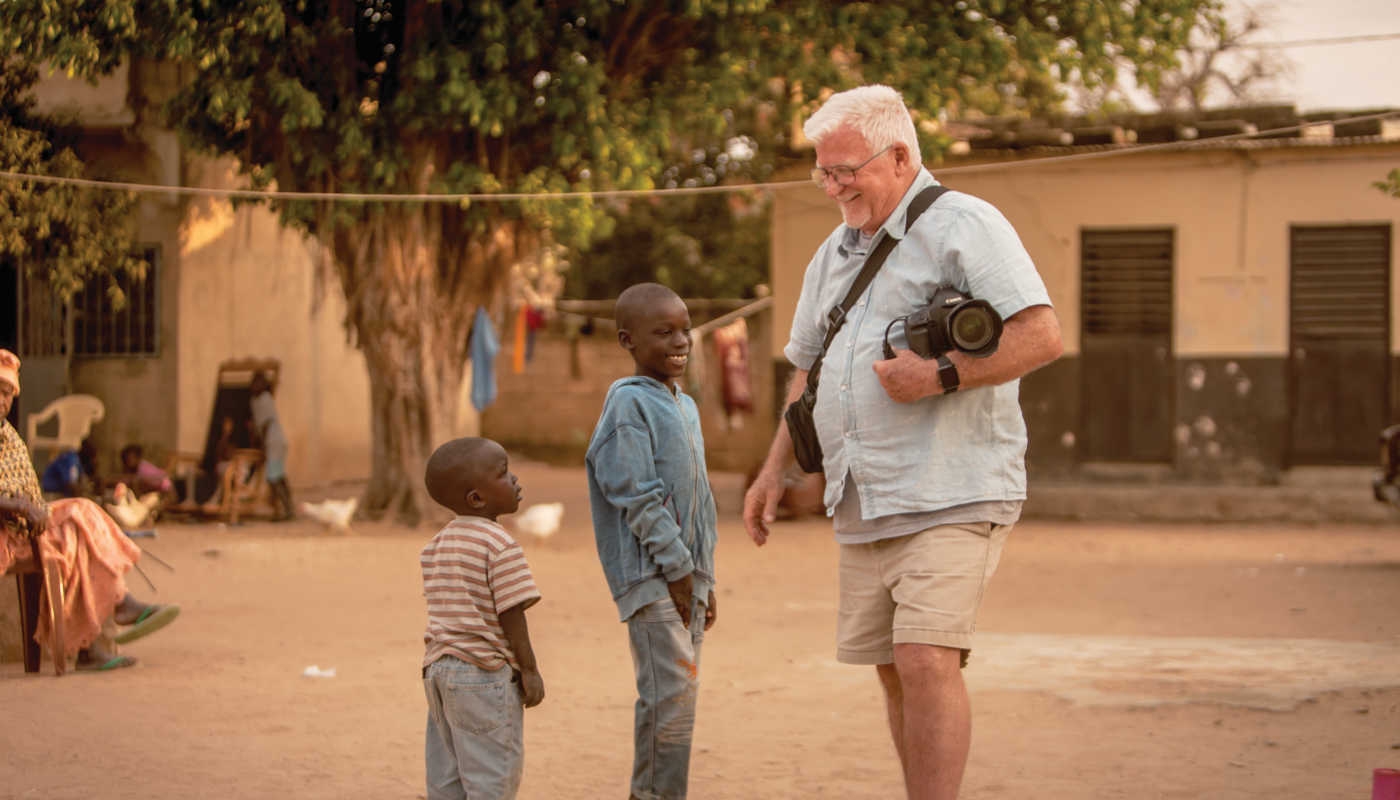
<point>475,742</point>
<point>666,657</point>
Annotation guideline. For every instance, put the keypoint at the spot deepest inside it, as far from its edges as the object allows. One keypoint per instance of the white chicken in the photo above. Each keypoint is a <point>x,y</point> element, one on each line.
<point>130,511</point>
<point>540,520</point>
<point>334,514</point>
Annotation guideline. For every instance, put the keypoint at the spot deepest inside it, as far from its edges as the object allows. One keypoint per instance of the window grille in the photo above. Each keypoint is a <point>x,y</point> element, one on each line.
<point>99,330</point>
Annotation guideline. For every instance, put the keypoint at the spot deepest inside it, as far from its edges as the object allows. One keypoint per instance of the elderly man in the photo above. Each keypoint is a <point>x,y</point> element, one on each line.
<point>924,458</point>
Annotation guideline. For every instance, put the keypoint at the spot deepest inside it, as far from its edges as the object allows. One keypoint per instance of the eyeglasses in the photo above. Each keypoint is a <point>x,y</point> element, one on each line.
<point>842,174</point>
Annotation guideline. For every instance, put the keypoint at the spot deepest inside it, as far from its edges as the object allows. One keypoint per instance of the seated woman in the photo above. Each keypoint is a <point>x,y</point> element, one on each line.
<point>93,554</point>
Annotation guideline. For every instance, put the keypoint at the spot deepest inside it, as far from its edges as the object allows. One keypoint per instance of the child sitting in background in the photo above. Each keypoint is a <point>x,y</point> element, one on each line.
<point>142,477</point>
<point>73,473</point>
<point>478,585</point>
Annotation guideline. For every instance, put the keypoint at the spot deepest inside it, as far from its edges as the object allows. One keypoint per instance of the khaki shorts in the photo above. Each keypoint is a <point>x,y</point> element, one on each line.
<point>924,588</point>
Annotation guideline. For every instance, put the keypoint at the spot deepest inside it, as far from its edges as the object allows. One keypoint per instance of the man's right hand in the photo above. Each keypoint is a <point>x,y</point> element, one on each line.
<point>682,592</point>
<point>761,504</point>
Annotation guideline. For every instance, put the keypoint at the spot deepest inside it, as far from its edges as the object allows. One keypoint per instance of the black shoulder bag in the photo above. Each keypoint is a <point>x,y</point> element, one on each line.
<point>798,415</point>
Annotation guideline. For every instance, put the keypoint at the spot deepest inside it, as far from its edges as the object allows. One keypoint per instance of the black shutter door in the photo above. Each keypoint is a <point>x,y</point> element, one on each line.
<point>1126,343</point>
<point>1339,302</point>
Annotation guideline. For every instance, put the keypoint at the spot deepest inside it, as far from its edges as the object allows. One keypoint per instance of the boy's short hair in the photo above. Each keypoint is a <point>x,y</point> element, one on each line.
<point>135,449</point>
<point>637,298</point>
<point>453,469</point>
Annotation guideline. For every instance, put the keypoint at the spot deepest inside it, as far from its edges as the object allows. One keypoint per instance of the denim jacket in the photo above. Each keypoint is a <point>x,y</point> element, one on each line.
<point>653,512</point>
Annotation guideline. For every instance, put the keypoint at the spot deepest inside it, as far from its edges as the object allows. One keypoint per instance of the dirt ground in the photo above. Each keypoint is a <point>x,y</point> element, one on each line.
<point>1115,661</point>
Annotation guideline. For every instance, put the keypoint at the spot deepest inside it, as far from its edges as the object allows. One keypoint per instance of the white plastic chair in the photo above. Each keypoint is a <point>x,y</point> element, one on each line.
<point>76,415</point>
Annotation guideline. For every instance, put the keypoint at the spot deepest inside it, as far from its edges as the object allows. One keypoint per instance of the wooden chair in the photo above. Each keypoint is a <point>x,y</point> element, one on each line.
<point>76,415</point>
<point>243,488</point>
<point>34,579</point>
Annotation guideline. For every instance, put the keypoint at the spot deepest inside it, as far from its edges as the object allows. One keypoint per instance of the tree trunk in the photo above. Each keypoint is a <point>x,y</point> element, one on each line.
<point>413,409</point>
<point>413,280</point>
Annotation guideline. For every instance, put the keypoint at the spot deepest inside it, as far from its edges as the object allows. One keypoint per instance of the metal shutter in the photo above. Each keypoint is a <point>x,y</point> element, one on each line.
<point>1127,282</point>
<point>1340,282</point>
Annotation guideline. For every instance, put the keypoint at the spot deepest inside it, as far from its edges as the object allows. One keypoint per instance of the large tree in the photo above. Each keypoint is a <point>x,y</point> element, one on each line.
<point>413,96</point>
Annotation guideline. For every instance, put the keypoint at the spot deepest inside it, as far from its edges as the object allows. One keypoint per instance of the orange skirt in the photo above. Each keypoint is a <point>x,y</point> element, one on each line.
<point>93,557</point>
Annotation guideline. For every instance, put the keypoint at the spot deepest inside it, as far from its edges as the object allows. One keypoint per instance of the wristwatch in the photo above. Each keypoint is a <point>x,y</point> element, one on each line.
<point>947,374</point>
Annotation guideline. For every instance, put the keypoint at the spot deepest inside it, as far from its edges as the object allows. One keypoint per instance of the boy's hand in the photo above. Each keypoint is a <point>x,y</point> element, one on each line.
<point>710,613</point>
<point>531,687</point>
<point>682,594</point>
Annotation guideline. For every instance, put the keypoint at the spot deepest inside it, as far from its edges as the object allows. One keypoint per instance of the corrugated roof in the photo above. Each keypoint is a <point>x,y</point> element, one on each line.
<point>1181,146</point>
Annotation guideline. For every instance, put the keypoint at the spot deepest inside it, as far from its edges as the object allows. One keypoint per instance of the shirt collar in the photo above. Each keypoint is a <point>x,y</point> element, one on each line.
<point>894,225</point>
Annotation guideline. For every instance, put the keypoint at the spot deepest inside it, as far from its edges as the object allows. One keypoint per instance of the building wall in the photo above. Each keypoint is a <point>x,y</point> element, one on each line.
<point>233,284</point>
<point>137,391</point>
<point>247,289</point>
<point>1231,211</point>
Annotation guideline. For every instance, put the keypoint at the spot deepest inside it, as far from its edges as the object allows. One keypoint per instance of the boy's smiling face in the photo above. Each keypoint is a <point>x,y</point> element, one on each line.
<point>659,340</point>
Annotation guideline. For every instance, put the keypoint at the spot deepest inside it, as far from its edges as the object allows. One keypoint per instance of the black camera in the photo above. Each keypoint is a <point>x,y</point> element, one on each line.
<point>950,321</point>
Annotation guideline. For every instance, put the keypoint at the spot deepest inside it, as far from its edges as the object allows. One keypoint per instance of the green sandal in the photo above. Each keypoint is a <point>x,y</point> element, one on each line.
<point>115,662</point>
<point>152,619</point>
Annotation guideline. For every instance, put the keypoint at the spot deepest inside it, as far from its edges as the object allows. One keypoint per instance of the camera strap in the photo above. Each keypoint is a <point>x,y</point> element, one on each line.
<point>836,317</point>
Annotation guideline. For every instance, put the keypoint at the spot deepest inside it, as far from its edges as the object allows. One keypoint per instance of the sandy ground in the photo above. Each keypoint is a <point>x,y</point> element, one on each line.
<point>1114,662</point>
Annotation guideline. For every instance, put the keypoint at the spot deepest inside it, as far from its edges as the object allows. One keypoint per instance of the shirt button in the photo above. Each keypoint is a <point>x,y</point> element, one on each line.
<point>843,387</point>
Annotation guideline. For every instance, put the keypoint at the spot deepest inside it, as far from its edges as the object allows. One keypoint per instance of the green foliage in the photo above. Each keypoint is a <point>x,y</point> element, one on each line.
<point>1391,184</point>
<point>65,235</point>
<point>416,95</point>
<point>706,245</point>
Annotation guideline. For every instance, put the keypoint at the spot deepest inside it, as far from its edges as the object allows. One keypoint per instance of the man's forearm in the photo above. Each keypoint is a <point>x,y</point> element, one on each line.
<point>1029,341</point>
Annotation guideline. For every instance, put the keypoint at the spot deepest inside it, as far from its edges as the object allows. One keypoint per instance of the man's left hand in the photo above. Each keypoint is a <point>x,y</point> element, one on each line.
<point>907,377</point>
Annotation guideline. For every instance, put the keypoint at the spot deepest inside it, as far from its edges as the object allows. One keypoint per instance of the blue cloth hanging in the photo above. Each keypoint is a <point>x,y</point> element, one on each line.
<point>484,348</point>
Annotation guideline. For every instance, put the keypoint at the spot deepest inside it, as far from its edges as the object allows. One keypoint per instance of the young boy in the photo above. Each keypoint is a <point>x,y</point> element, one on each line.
<point>478,668</point>
<point>654,521</point>
<point>143,477</point>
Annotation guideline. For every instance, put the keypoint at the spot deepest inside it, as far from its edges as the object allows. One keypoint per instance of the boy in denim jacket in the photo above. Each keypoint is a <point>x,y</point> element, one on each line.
<point>654,521</point>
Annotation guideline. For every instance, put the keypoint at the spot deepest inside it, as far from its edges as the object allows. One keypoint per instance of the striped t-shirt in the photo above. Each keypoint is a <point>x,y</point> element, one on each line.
<point>472,571</point>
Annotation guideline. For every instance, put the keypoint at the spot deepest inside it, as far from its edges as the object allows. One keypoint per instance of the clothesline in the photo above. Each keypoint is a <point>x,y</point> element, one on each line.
<point>742,312</point>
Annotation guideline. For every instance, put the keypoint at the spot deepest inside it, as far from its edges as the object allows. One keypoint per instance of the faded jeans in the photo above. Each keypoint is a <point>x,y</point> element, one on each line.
<point>666,657</point>
<point>475,743</point>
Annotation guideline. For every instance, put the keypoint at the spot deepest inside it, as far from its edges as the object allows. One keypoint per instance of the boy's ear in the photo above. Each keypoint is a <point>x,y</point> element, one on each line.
<point>624,338</point>
<point>474,499</point>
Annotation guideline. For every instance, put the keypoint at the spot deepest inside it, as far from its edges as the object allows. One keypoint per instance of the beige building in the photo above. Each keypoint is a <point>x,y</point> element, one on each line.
<point>225,283</point>
<point>1227,309</point>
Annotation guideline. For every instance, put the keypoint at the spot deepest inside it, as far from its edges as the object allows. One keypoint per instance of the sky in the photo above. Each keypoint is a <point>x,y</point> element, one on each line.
<point>1334,76</point>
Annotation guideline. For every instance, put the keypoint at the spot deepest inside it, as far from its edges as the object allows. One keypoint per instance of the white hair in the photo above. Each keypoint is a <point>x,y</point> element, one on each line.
<point>876,112</point>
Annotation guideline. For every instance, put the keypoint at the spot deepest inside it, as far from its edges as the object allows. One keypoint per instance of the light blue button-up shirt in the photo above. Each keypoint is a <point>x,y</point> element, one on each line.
<point>942,451</point>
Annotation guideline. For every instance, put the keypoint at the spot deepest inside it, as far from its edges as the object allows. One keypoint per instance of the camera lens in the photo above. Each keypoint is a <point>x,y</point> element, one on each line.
<point>971,328</point>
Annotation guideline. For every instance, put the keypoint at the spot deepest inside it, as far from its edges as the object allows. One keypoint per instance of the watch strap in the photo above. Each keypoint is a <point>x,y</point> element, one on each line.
<point>948,374</point>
